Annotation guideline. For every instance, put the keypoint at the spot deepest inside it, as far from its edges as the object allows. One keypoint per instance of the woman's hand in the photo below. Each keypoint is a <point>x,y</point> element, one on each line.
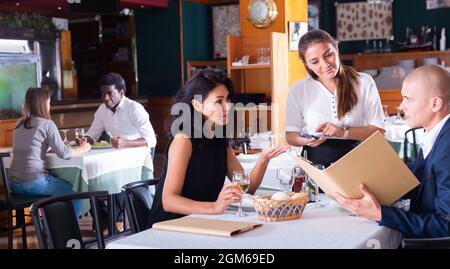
<point>230,193</point>
<point>272,153</point>
<point>328,129</point>
<point>85,146</point>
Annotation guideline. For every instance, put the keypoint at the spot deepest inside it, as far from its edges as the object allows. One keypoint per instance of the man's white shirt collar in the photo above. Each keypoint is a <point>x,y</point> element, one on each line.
<point>430,137</point>
<point>120,105</point>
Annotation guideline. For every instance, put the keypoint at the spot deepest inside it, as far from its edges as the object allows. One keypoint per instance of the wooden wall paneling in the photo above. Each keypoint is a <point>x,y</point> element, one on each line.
<point>296,11</point>
<point>69,91</point>
<point>234,51</point>
<point>376,61</point>
<point>159,110</point>
<point>6,132</point>
<point>280,85</point>
<point>258,81</point>
<point>250,46</point>
<point>391,98</point>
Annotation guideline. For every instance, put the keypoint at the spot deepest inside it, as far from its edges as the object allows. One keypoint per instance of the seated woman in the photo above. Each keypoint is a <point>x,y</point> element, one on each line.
<point>33,135</point>
<point>198,156</point>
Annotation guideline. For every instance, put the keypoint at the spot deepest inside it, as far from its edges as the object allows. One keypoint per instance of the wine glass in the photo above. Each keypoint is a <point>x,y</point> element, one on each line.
<point>399,115</point>
<point>65,140</point>
<point>285,177</point>
<point>385,110</point>
<point>79,133</point>
<point>242,179</point>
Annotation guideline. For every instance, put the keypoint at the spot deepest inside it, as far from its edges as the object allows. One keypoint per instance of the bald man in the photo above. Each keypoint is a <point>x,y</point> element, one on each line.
<point>426,103</point>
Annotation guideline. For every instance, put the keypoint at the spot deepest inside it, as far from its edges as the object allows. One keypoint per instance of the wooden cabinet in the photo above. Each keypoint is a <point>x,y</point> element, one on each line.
<point>101,45</point>
<point>270,79</point>
<point>6,132</point>
<point>193,66</point>
<point>119,48</point>
<point>376,61</point>
<point>393,97</point>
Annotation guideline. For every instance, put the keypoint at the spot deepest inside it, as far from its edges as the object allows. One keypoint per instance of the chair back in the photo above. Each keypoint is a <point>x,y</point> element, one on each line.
<point>57,225</point>
<point>138,203</point>
<point>408,143</point>
<point>428,243</point>
<point>3,157</point>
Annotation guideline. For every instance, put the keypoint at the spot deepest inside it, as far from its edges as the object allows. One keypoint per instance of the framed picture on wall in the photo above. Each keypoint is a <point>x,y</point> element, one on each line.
<point>225,22</point>
<point>296,31</point>
<point>363,20</point>
<point>433,4</point>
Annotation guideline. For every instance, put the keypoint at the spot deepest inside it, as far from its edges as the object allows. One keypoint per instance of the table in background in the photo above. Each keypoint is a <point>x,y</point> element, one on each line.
<point>395,134</point>
<point>101,169</point>
<point>270,180</point>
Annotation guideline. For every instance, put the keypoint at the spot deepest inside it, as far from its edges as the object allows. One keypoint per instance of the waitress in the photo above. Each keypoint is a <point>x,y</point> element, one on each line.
<point>335,103</point>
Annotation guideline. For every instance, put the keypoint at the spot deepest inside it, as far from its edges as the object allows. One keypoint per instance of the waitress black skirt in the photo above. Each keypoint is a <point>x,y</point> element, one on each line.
<point>330,151</point>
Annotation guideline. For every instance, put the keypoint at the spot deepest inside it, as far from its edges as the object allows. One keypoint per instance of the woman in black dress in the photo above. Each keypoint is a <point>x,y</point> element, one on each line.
<point>198,157</point>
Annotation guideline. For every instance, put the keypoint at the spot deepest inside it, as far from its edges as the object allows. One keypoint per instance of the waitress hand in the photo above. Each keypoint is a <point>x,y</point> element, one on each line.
<point>313,142</point>
<point>328,130</point>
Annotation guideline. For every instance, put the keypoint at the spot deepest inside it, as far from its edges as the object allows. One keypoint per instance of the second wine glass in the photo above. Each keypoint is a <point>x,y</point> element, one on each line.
<point>65,140</point>
<point>79,133</point>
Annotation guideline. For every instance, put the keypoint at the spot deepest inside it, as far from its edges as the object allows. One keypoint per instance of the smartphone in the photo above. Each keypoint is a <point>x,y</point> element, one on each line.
<point>316,135</point>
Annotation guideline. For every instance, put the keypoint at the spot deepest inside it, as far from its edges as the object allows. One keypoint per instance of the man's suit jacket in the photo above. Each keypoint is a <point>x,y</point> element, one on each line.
<point>430,201</point>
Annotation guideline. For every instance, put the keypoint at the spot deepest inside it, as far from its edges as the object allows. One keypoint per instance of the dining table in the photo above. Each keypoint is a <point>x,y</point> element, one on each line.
<point>101,169</point>
<point>325,227</point>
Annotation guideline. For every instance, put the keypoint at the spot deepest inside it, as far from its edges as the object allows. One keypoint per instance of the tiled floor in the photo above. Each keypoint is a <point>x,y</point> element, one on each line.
<point>32,243</point>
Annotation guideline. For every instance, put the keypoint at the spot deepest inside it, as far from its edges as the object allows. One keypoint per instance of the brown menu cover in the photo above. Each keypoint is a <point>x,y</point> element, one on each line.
<point>373,163</point>
<point>206,226</point>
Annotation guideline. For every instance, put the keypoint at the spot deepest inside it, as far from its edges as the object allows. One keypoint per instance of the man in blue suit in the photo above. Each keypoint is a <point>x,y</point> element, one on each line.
<point>426,103</point>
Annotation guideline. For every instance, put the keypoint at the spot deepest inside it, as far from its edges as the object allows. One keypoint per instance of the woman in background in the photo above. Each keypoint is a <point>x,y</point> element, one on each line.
<point>34,134</point>
<point>335,103</point>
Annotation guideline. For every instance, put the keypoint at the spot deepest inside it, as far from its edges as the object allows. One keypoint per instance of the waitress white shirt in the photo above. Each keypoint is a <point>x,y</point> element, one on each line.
<point>309,104</point>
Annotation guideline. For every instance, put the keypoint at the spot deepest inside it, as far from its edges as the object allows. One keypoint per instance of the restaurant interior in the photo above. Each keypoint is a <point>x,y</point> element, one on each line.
<point>157,46</point>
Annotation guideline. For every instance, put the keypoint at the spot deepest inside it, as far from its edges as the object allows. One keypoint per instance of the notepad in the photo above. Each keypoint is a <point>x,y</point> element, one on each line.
<point>373,163</point>
<point>206,226</point>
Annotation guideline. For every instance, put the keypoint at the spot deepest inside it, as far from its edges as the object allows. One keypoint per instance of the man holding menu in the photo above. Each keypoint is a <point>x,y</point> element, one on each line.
<point>426,103</point>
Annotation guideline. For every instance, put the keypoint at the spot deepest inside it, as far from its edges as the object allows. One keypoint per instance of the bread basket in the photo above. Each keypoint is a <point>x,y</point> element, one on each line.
<point>279,210</point>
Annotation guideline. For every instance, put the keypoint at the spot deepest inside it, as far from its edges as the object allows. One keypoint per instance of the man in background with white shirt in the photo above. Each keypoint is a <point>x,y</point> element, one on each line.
<point>426,103</point>
<point>124,120</point>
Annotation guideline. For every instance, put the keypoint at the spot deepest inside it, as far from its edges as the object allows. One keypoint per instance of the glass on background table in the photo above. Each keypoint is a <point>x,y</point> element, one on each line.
<point>285,178</point>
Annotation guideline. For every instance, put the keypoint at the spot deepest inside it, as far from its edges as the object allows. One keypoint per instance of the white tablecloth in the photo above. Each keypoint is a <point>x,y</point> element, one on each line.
<point>326,227</point>
<point>395,131</point>
<point>270,180</point>
<point>101,169</point>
